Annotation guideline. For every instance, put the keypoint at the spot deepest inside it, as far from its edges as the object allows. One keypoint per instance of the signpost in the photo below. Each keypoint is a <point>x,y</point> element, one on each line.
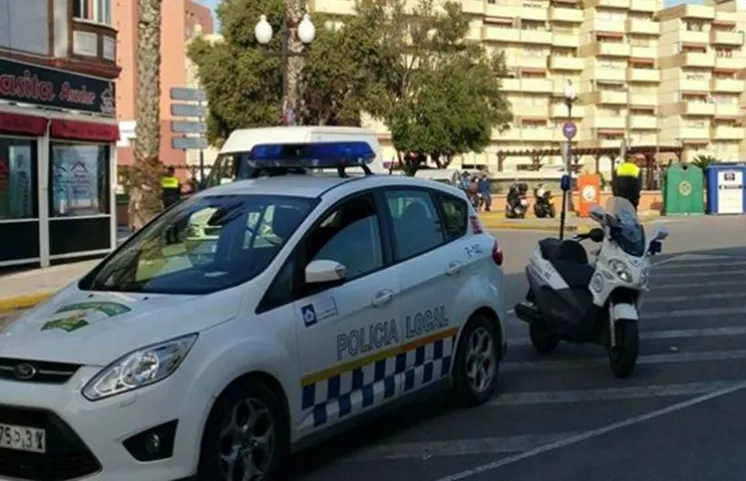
<point>189,103</point>
<point>569,130</point>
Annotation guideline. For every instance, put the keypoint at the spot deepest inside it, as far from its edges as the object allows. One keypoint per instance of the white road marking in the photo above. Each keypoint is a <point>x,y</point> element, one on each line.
<point>564,365</point>
<point>594,433</point>
<point>681,265</point>
<point>666,334</point>
<point>699,297</point>
<point>456,447</point>
<point>693,285</point>
<point>665,275</point>
<point>712,312</point>
<point>609,394</point>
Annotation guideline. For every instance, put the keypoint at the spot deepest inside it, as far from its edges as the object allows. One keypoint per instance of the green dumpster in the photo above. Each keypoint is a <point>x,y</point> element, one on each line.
<point>683,190</point>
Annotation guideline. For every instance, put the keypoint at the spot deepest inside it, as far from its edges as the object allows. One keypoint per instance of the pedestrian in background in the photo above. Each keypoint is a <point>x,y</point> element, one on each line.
<point>627,182</point>
<point>171,188</point>
<point>486,192</point>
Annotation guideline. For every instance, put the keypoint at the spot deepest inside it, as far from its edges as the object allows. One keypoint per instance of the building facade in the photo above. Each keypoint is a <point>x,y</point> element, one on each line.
<point>58,130</point>
<point>181,19</point>
<point>650,75</point>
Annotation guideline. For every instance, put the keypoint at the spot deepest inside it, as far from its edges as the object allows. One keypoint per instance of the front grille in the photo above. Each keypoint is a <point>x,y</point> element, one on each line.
<point>43,371</point>
<point>67,456</point>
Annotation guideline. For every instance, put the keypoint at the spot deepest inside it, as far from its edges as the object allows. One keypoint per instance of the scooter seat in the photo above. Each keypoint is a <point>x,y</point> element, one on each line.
<point>563,250</point>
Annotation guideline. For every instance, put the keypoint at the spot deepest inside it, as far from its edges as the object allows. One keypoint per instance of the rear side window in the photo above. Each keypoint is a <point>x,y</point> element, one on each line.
<point>455,216</point>
<point>416,222</point>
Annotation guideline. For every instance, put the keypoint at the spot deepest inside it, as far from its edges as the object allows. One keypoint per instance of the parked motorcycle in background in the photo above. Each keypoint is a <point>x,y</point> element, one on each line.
<point>516,202</point>
<point>543,206</point>
<point>573,299</point>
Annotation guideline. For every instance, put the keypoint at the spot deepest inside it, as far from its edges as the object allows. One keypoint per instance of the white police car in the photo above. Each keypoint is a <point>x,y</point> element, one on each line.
<point>319,300</point>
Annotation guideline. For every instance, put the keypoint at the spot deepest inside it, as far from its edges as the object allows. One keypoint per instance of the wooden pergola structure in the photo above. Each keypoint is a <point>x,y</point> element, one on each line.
<point>644,156</point>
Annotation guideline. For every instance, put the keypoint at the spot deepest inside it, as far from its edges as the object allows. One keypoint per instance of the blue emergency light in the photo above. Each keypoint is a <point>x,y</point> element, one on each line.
<point>317,155</point>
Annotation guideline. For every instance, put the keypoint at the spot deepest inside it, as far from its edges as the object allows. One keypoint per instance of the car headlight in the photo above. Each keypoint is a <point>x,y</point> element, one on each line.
<point>139,368</point>
<point>620,269</point>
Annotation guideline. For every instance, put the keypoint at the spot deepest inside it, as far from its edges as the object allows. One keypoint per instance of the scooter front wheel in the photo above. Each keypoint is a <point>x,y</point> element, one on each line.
<point>544,342</point>
<point>623,356</point>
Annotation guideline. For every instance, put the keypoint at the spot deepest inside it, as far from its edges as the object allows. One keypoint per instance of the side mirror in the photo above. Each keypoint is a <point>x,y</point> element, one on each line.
<point>660,233</point>
<point>565,183</point>
<point>325,272</point>
<point>597,213</point>
<point>596,234</point>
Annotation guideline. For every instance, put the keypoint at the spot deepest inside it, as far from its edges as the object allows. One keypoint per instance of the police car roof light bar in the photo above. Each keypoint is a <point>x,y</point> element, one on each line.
<point>316,155</point>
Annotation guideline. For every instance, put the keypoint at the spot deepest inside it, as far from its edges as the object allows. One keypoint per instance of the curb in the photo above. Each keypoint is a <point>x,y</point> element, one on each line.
<point>23,301</point>
<point>528,226</point>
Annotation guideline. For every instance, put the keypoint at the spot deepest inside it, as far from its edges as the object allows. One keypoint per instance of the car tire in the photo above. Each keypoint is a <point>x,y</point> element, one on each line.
<point>477,362</point>
<point>233,406</point>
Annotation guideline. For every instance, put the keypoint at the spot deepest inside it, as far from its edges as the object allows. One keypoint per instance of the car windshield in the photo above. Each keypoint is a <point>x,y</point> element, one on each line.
<point>627,231</point>
<point>203,245</point>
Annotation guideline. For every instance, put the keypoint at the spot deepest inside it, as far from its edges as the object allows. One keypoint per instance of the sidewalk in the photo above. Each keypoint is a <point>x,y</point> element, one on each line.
<point>497,221</point>
<point>28,288</point>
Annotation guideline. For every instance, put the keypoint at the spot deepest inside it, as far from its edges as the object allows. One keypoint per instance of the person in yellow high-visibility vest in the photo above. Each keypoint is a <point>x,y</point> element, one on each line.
<point>627,182</point>
<point>171,188</point>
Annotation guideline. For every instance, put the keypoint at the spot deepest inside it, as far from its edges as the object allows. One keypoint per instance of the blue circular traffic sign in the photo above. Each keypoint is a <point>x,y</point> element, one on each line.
<point>569,129</point>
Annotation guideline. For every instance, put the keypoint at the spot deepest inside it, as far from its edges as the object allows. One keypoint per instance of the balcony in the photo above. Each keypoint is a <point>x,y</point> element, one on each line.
<point>611,97</point>
<point>540,134</point>
<point>727,111</point>
<point>491,33</point>
<point>93,42</point>
<point>513,134</point>
<point>730,64</point>
<point>702,12</point>
<point>642,6</point>
<point>693,37</point>
<point>643,122</point>
<point>700,109</point>
<point>607,122</point>
<point>701,134</point>
<point>533,13</point>
<point>643,52</point>
<point>536,85</point>
<point>609,49</point>
<point>694,85</point>
<point>648,75</point>
<point>733,39</point>
<point>540,37</point>
<point>621,4</point>
<point>602,74</point>
<point>499,11</point>
<point>475,7</point>
<point>530,62</point>
<point>566,63</point>
<point>565,40</point>
<point>695,59</point>
<point>597,24</point>
<point>560,111</point>
<point>640,99</point>
<point>643,27</point>
<point>510,84</point>
<point>719,85</point>
<point>569,15</point>
<point>726,132</point>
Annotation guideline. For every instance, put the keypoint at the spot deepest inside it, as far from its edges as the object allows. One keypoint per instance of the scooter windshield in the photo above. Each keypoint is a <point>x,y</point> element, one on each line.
<point>626,230</point>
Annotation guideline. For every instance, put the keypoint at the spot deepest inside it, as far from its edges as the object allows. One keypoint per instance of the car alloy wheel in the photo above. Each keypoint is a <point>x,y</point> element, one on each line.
<point>481,360</point>
<point>247,441</point>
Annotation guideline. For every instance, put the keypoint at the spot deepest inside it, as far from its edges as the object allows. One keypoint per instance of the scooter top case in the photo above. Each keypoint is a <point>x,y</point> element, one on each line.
<point>565,306</point>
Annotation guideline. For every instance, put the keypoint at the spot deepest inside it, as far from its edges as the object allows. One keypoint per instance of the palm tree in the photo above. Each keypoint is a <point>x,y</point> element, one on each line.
<point>704,161</point>
<point>145,191</point>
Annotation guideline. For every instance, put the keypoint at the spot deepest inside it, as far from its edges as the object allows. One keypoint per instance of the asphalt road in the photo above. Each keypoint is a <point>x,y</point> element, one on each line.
<point>564,416</point>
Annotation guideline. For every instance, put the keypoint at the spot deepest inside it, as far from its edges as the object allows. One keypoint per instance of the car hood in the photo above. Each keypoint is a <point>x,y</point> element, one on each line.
<point>95,328</point>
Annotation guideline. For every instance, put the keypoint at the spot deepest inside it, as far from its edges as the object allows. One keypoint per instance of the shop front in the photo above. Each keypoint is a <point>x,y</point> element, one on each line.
<point>58,132</point>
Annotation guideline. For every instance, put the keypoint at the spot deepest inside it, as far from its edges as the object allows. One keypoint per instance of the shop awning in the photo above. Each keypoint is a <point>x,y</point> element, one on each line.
<point>76,130</point>
<point>22,124</point>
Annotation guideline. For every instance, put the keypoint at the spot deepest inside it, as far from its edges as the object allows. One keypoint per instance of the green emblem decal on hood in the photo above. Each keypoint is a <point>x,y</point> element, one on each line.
<point>75,316</point>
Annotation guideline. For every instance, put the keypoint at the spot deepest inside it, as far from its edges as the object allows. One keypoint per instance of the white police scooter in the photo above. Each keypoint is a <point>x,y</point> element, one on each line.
<point>572,299</point>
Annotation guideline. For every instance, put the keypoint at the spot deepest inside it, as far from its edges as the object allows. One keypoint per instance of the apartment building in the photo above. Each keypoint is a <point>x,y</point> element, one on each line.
<point>642,73</point>
<point>700,57</point>
<point>181,20</point>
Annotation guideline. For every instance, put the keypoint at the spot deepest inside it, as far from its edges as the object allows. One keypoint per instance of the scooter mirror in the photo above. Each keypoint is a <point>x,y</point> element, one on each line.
<point>596,234</point>
<point>565,183</point>
<point>597,213</point>
<point>660,233</point>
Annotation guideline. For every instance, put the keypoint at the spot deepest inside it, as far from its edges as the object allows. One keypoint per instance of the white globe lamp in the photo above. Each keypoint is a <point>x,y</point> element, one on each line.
<point>569,92</point>
<point>263,31</point>
<point>306,30</point>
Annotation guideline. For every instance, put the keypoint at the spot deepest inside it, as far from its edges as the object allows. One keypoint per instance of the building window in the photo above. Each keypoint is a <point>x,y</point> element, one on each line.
<point>79,179</point>
<point>98,11</point>
<point>17,178</point>
<point>695,26</point>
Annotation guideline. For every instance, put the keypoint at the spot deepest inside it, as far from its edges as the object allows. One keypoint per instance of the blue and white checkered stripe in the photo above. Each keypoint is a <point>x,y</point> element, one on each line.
<point>375,382</point>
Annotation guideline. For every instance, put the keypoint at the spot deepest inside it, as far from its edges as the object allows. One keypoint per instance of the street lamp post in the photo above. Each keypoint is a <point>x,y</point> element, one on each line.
<point>570,96</point>
<point>305,32</point>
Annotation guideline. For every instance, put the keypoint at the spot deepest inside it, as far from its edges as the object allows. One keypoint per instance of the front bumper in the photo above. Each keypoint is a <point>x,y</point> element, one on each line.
<point>85,439</point>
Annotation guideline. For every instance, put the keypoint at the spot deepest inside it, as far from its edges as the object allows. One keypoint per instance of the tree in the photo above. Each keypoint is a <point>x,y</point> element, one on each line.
<point>442,93</point>
<point>243,79</point>
<point>145,190</point>
<point>704,161</point>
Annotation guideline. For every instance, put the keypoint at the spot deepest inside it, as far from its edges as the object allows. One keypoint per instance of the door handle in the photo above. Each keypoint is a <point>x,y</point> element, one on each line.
<point>453,268</point>
<point>382,298</point>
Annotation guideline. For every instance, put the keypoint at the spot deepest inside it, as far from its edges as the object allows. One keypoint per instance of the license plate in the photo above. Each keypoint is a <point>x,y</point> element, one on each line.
<point>22,438</point>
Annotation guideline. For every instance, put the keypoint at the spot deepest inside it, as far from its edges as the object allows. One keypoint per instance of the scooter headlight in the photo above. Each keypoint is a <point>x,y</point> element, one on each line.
<point>644,277</point>
<point>620,269</point>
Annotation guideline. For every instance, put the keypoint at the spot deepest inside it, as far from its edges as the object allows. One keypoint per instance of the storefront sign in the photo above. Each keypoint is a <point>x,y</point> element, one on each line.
<point>74,130</point>
<point>21,82</point>
<point>22,124</point>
